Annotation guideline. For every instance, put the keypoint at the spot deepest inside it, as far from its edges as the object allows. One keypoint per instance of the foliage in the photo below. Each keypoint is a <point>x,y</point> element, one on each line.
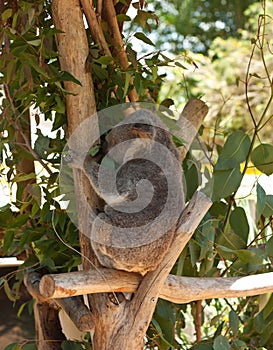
<point>193,25</point>
<point>227,243</point>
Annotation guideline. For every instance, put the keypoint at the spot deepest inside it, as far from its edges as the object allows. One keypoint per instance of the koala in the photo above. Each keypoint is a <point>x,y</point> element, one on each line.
<point>142,191</point>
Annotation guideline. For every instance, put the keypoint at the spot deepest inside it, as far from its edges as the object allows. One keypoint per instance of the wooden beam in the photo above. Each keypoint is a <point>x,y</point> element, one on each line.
<point>177,289</point>
<point>78,312</point>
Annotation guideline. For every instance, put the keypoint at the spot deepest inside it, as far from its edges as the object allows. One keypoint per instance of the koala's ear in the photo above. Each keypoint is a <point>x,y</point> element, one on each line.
<point>143,131</point>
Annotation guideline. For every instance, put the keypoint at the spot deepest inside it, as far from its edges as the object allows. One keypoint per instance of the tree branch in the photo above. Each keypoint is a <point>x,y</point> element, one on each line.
<point>189,123</point>
<point>176,289</point>
<point>119,52</point>
<point>95,28</point>
<point>73,306</point>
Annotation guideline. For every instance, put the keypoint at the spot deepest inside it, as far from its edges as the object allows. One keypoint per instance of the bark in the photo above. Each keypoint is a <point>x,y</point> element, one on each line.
<point>192,117</point>
<point>49,334</point>
<point>75,308</point>
<point>48,328</point>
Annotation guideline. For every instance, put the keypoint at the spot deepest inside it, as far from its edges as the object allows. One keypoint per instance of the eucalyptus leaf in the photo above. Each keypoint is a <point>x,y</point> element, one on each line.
<point>234,322</point>
<point>261,200</point>
<point>269,247</point>
<point>70,345</point>
<point>234,152</point>
<point>66,76</point>
<point>221,343</point>
<point>9,292</point>
<point>225,182</point>
<point>268,309</point>
<point>141,36</point>
<point>268,208</point>
<point>105,60</point>
<point>13,346</point>
<point>262,158</point>
<point>252,256</point>
<point>239,223</point>
<point>123,18</point>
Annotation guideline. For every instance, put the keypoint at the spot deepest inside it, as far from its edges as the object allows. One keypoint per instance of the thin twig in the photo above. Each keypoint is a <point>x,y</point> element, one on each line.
<point>19,129</point>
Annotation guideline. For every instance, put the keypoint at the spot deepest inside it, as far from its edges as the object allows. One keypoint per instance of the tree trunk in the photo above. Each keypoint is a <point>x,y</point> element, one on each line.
<point>73,49</point>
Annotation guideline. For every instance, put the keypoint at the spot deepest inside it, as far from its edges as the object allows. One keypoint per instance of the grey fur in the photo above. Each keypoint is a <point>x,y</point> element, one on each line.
<point>143,196</point>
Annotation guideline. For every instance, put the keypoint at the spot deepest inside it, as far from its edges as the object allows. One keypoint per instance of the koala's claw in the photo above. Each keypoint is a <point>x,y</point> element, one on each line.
<point>74,159</point>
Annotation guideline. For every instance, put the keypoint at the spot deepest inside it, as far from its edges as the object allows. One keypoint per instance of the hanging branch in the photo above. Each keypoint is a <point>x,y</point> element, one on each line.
<point>109,13</point>
<point>95,28</point>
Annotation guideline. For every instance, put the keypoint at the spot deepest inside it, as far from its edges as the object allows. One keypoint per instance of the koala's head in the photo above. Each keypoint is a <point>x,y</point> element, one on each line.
<point>139,128</point>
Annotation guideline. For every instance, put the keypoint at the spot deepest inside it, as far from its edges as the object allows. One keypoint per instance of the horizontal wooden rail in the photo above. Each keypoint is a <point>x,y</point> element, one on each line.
<point>176,289</point>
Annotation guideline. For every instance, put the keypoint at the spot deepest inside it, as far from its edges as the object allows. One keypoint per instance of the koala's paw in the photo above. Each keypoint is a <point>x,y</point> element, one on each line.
<point>74,159</point>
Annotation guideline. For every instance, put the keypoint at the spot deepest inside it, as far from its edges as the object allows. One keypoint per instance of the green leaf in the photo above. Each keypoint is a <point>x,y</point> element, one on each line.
<point>7,241</point>
<point>36,42</point>
<point>239,223</point>
<point>36,193</point>
<point>13,346</point>
<point>239,344</point>
<point>70,345</point>
<point>194,252</point>
<point>268,308</point>
<point>261,199</point>
<point>234,152</point>
<point>41,146</point>
<point>11,70</point>
<point>191,175</point>
<point>269,247</point>
<point>17,51</point>
<point>262,158</point>
<point>8,291</point>
<point>178,64</point>
<point>19,221</point>
<point>94,150</point>
<point>121,17</point>
<point>225,182</point>
<point>253,256</point>
<point>21,178</point>
<point>6,14</point>
<point>21,308</point>
<point>202,346</point>
<point>32,62</point>
<point>221,343</point>
<point>126,84</point>
<point>104,60</point>
<point>268,208</point>
<point>102,74</point>
<point>30,346</point>
<point>65,76</point>
<point>141,36</point>
<point>218,209</point>
<point>234,322</point>
<point>60,106</point>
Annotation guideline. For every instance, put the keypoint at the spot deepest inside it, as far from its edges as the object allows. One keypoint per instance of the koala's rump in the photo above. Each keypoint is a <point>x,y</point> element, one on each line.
<point>139,259</point>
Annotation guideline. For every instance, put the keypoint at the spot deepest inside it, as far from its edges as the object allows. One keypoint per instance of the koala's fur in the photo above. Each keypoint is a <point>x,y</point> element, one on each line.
<point>133,233</point>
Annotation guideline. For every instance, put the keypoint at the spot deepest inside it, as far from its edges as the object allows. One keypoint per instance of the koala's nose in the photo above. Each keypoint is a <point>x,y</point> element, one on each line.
<point>143,131</point>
